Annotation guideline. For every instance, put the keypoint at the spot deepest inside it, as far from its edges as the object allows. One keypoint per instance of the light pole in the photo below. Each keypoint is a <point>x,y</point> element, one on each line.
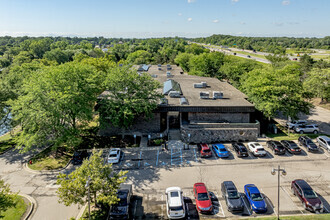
<point>89,204</point>
<point>278,170</point>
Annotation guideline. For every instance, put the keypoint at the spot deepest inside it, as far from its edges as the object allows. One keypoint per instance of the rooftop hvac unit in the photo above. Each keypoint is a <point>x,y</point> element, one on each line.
<point>154,76</point>
<point>168,74</point>
<point>204,84</point>
<point>159,68</point>
<point>200,85</point>
<point>163,101</point>
<point>174,94</point>
<point>159,65</point>
<point>217,95</point>
<point>204,95</point>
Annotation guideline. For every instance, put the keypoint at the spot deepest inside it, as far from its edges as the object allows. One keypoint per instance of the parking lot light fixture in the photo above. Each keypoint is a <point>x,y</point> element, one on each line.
<point>273,172</point>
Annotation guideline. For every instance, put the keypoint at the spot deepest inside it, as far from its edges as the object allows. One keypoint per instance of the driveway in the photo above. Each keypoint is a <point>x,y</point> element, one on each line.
<point>41,187</point>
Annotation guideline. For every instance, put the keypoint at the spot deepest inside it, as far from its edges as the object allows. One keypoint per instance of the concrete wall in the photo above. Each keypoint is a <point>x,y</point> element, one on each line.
<point>142,125</point>
<point>220,117</point>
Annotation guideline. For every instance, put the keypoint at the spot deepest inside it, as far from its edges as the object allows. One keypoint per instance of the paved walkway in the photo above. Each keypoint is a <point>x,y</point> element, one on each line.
<point>42,187</point>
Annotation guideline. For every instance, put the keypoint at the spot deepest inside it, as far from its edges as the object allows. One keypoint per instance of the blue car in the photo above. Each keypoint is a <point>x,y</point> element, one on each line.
<point>255,198</point>
<point>220,150</point>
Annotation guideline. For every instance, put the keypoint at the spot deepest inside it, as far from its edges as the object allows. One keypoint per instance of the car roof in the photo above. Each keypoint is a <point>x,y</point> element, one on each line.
<point>173,189</point>
<point>252,188</point>
<point>303,184</point>
<point>229,185</point>
<point>205,146</point>
<point>325,138</point>
<point>220,146</point>
<point>174,201</point>
<point>114,150</point>
<point>200,187</point>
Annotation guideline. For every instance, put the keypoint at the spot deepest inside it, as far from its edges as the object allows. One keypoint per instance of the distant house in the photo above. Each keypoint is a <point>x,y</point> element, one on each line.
<point>204,109</point>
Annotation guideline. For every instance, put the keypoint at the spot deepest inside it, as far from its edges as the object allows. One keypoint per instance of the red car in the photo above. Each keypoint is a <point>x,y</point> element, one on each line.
<point>204,150</point>
<point>202,198</point>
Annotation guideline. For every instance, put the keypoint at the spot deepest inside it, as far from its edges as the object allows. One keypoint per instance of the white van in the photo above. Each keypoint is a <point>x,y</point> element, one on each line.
<point>174,203</point>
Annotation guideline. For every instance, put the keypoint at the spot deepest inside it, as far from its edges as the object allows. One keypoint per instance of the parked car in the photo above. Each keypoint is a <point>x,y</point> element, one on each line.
<point>293,124</point>
<point>232,197</point>
<point>248,56</point>
<point>220,150</point>
<point>307,196</point>
<point>257,149</point>
<point>255,198</point>
<point>308,143</point>
<point>174,203</point>
<point>276,147</point>
<point>240,149</point>
<point>291,147</point>
<point>114,155</point>
<point>79,156</point>
<point>121,209</point>
<point>235,54</point>
<point>307,129</point>
<point>204,150</point>
<point>202,198</point>
<point>324,142</point>
<point>294,59</point>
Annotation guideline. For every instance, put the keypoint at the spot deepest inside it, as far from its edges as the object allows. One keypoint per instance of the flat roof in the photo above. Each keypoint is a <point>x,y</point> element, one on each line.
<point>232,97</point>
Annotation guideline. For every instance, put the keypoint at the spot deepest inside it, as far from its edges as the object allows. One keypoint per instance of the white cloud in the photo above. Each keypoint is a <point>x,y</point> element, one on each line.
<point>285,2</point>
<point>189,19</point>
<point>180,14</point>
<point>234,1</point>
<point>191,1</point>
<point>215,21</point>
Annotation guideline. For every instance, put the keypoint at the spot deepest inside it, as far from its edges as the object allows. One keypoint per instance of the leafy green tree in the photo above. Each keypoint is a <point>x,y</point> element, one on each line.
<point>277,60</point>
<point>318,83</point>
<point>306,63</point>
<point>23,57</point>
<point>103,183</point>
<point>273,90</point>
<point>56,103</point>
<point>7,198</point>
<point>128,96</point>
<point>206,64</point>
<point>183,60</point>
<point>59,55</point>
<point>39,47</point>
<point>196,49</point>
<point>139,57</point>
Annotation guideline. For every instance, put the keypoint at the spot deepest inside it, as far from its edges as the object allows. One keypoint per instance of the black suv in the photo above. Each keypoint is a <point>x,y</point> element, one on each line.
<point>240,149</point>
<point>308,143</point>
<point>276,147</point>
<point>291,147</point>
<point>79,156</point>
<point>233,199</point>
<point>121,210</point>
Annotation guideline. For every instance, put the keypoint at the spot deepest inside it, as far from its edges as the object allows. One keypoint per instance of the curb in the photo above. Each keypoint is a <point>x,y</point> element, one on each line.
<point>26,167</point>
<point>81,212</point>
<point>33,206</point>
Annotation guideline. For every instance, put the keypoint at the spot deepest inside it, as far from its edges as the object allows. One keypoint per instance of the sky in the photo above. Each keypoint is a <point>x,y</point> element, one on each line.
<point>165,18</point>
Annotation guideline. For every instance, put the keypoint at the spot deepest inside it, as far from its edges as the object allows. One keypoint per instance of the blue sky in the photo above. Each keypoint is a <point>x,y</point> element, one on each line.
<point>158,18</point>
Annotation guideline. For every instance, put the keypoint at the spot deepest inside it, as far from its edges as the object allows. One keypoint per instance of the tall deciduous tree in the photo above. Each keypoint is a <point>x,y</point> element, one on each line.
<point>139,57</point>
<point>103,183</point>
<point>206,64</point>
<point>128,96</point>
<point>56,102</point>
<point>318,83</point>
<point>7,198</point>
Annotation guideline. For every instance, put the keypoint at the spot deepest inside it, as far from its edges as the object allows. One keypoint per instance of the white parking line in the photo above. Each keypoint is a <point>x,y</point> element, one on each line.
<point>247,208</point>
<point>157,157</point>
<point>140,158</point>
<point>195,156</point>
<point>181,156</point>
<point>171,156</point>
<point>292,200</point>
<point>220,206</point>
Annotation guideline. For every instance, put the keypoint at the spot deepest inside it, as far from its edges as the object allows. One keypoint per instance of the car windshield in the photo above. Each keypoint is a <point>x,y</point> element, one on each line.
<point>113,155</point>
<point>233,195</point>
<point>174,194</point>
<point>202,196</point>
<point>310,194</point>
<point>328,142</point>
<point>223,150</point>
<point>260,148</point>
<point>206,150</point>
<point>176,208</point>
<point>256,197</point>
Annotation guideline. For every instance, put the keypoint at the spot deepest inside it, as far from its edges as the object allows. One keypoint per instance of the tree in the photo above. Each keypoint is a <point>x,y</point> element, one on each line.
<point>183,60</point>
<point>103,183</point>
<point>276,60</point>
<point>57,102</point>
<point>273,90</point>
<point>39,47</point>
<point>129,95</point>
<point>59,55</point>
<point>139,57</point>
<point>206,64</point>
<point>306,63</point>
<point>7,198</point>
<point>318,83</point>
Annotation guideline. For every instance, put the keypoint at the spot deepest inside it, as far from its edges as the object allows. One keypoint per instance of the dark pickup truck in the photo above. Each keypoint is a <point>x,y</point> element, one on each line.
<point>121,210</point>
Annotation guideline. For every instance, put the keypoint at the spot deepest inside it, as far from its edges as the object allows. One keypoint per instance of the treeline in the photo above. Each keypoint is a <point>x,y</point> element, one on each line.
<point>275,45</point>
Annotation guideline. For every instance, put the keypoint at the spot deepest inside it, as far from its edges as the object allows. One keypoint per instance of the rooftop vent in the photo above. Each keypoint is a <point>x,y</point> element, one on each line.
<point>200,85</point>
<point>159,68</point>
<point>154,76</point>
<point>159,65</point>
<point>217,94</point>
<point>183,101</point>
<point>204,95</point>
<point>168,74</point>
<point>163,101</point>
<point>174,94</point>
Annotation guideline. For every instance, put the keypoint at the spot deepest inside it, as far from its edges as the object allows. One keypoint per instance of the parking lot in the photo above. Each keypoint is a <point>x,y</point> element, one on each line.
<point>152,170</point>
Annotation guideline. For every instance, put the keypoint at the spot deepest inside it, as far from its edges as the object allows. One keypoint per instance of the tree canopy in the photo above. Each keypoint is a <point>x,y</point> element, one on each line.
<point>7,198</point>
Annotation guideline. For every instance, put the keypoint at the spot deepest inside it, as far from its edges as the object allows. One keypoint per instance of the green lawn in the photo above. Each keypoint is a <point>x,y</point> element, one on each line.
<point>298,217</point>
<point>51,159</point>
<point>15,212</point>
<point>251,54</point>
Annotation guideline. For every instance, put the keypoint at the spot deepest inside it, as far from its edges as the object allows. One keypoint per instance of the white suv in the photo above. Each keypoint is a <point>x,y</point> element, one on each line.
<point>324,142</point>
<point>257,149</point>
<point>294,124</point>
<point>307,129</point>
<point>174,203</point>
<point>114,155</point>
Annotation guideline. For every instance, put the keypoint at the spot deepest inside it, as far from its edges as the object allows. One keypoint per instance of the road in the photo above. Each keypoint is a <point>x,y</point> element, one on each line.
<point>42,187</point>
